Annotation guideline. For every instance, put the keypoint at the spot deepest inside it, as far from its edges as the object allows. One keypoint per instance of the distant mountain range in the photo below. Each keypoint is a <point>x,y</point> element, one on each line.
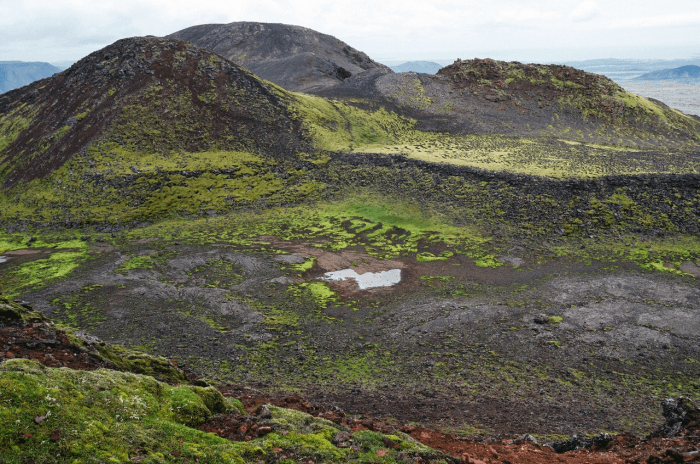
<point>427,67</point>
<point>15,74</point>
<point>63,65</point>
<point>684,72</point>
<point>622,69</point>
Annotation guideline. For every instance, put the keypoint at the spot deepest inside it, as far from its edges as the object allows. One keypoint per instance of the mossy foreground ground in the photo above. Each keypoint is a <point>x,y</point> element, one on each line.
<point>84,413</point>
<point>62,415</point>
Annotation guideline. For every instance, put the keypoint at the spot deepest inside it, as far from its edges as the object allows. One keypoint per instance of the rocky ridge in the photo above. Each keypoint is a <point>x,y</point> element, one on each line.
<point>524,100</point>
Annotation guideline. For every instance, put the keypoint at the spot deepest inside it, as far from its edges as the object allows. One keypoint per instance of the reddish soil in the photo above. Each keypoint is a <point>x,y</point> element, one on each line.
<point>43,343</point>
<point>459,268</point>
<point>622,449</point>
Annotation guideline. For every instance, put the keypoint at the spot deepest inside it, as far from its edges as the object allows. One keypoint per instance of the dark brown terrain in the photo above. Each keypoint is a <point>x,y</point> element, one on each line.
<point>468,97</point>
<point>293,57</point>
<point>676,441</point>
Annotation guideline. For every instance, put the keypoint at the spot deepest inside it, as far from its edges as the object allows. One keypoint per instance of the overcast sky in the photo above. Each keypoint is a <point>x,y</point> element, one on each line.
<point>527,30</point>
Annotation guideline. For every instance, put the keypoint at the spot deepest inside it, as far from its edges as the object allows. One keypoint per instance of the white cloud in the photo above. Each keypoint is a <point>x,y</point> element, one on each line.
<point>53,30</point>
<point>585,11</point>
<point>690,18</point>
<point>525,16</point>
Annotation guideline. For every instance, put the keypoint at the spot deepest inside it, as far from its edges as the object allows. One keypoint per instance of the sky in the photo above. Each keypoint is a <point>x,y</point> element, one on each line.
<point>389,31</point>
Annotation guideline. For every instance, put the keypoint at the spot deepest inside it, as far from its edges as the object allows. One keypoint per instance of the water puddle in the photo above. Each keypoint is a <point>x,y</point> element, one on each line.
<point>3,259</point>
<point>368,279</point>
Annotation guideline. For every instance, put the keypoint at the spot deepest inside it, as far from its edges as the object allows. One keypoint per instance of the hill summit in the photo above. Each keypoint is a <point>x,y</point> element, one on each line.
<point>294,57</point>
<point>142,95</point>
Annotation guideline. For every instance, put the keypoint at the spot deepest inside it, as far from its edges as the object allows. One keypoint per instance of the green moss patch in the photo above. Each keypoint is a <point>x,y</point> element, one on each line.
<point>61,415</point>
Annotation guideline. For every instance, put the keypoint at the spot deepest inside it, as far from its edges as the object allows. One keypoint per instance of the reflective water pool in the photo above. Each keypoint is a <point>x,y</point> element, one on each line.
<point>368,279</point>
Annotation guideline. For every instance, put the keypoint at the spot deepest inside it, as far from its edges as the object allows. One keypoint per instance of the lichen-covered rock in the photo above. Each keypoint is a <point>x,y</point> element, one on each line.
<point>679,413</point>
<point>141,363</point>
<point>213,399</point>
<point>18,312</point>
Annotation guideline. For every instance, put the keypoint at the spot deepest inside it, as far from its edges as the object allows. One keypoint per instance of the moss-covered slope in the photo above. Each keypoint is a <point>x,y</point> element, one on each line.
<point>145,96</point>
<point>153,128</point>
<point>593,97</point>
<point>149,127</point>
<point>62,415</point>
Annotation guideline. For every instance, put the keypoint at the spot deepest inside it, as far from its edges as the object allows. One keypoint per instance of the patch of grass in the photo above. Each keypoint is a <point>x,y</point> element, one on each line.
<point>11,126</point>
<point>40,272</point>
<point>543,157</point>
<point>137,262</point>
<point>338,126</point>
<point>320,292</point>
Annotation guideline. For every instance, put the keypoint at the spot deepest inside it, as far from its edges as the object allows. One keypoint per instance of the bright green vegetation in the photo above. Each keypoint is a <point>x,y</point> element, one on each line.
<point>666,255</point>
<point>338,126</point>
<point>137,262</point>
<point>320,292</point>
<point>427,257</point>
<point>305,266</point>
<point>62,257</point>
<point>113,416</point>
<point>165,185</point>
<point>545,157</point>
<point>96,413</point>
<point>384,227</point>
<point>140,363</point>
<point>10,128</point>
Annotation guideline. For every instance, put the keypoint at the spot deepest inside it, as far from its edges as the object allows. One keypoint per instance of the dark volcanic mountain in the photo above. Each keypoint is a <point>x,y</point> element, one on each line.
<point>684,72</point>
<point>296,58</point>
<point>14,74</point>
<point>145,95</point>
<point>485,96</point>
